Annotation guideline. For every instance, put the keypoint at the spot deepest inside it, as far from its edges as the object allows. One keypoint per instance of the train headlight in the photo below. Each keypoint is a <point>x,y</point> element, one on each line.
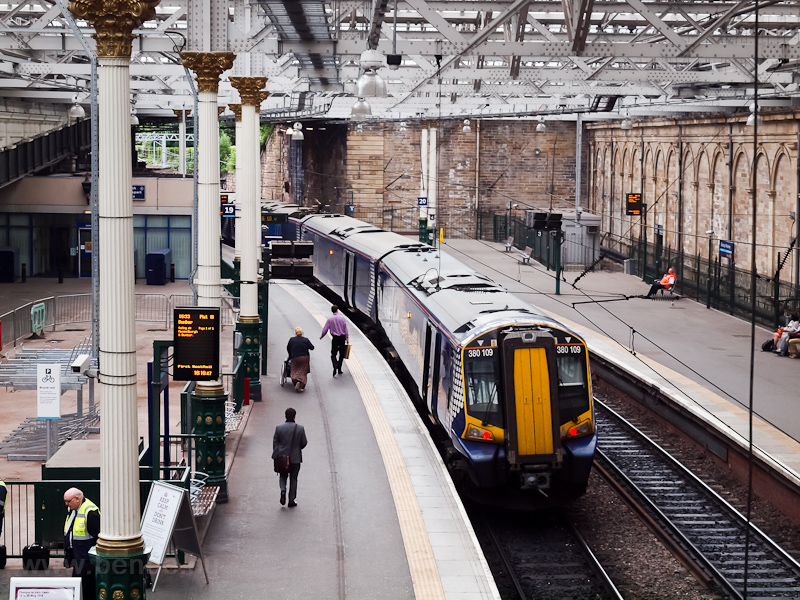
<point>479,435</point>
<point>578,430</point>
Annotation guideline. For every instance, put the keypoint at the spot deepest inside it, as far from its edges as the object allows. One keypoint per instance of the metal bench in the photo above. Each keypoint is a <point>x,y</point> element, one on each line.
<point>525,255</point>
<point>509,243</point>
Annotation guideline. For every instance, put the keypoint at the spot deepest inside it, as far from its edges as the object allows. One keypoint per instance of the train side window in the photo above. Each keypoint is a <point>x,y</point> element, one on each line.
<point>573,391</point>
<point>481,385</point>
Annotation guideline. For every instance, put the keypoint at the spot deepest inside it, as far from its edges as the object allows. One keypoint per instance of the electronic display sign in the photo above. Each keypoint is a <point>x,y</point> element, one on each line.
<point>274,218</point>
<point>633,206</point>
<point>196,344</point>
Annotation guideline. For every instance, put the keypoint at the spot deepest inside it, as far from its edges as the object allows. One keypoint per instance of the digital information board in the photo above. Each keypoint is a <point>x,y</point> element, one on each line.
<point>274,218</point>
<point>633,206</point>
<point>196,344</point>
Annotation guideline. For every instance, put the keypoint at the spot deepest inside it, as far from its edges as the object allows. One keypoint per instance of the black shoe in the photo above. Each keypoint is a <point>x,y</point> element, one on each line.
<point>334,372</point>
<point>340,372</point>
<point>283,498</point>
<point>292,504</point>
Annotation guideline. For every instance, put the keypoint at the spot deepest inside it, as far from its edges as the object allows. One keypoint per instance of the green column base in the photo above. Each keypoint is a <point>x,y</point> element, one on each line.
<point>208,408</point>
<point>250,350</point>
<point>120,576</point>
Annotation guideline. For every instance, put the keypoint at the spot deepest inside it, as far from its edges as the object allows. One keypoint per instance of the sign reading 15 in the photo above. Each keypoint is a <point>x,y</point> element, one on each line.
<point>478,352</point>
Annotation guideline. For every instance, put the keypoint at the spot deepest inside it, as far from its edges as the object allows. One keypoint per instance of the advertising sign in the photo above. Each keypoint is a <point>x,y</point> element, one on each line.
<point>45,588</point>
<point>48,391</point>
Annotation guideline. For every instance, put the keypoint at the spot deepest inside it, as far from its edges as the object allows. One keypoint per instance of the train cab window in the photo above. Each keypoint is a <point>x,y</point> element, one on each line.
<point>573,391</point>
<point>482,399</point>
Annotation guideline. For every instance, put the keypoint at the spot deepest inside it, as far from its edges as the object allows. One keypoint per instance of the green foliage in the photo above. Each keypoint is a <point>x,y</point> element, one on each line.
<point>230,166</point>
<point>265,132</point>
<point>224,150</point>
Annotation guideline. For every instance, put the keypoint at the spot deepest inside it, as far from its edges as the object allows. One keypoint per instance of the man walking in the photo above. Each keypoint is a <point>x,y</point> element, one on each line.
<point>289,440</point>
<point>337,325</point>
<point>81,530</point>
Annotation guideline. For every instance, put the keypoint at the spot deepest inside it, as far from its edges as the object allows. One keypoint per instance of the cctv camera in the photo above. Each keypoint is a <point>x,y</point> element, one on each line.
<point>709,232</point>
<point>81,364</point>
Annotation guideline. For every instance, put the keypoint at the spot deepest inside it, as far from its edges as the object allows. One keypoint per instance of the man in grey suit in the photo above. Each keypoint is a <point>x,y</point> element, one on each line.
<point>289,438</point>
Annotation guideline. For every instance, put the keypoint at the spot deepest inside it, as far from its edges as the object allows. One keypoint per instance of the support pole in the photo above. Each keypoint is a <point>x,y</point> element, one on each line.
<point>208,399</point>
<point>248,198</point>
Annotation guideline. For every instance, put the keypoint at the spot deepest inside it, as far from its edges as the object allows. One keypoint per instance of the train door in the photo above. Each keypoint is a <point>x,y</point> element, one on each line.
<point>530,379</point>
<point>430,370</point>
<point>349,278</point>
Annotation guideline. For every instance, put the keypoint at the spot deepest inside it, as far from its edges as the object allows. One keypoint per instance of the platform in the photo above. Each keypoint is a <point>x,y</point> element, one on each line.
<point>377,515</point>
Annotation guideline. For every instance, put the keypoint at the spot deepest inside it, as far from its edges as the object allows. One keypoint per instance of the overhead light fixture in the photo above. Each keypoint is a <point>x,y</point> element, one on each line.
<point>541,127</point>
<point>359,129</point>
<point>754,117</point>
<point>134,118</point>
<point>76,110</point>
<point>361,109</point>
<point>298,133</point>
<point>466,128</point>
<point>403,127</point>
<point>393,61</point>
<point>289,131</point>
<point>371,85</point>
<point>626,124</point>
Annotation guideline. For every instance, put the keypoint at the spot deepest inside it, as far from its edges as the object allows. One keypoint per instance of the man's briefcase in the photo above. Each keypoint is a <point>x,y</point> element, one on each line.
<point>35,558</point>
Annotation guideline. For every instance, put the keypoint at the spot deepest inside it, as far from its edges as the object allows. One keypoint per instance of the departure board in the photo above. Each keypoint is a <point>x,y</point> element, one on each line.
<point>196,344</point>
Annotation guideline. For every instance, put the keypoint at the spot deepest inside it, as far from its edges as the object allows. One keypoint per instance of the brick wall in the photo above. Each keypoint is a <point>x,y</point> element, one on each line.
<point>715,190</point>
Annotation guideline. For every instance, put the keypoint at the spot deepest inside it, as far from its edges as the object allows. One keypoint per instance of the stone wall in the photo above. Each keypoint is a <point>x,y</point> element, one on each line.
<point>695,176</point>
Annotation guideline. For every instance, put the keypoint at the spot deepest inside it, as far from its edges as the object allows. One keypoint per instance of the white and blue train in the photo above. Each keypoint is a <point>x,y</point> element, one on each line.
<point>508,387</point>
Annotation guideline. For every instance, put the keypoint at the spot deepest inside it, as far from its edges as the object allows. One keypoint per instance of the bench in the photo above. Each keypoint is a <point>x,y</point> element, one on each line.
<point>509,243</point>
<point>525,255</point>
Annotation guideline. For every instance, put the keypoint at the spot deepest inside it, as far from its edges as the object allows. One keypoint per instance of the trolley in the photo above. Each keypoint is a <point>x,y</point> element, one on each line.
<point>286,373</point>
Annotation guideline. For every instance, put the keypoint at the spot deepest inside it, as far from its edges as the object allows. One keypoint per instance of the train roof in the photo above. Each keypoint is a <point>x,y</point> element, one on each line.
<point>465,302</point>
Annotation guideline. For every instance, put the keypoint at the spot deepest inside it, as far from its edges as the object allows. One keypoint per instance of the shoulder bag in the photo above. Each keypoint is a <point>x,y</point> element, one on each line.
<point>282,462</point>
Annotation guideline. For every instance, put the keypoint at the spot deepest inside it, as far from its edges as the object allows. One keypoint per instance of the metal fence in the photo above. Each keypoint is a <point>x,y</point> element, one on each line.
<point>17,324</point>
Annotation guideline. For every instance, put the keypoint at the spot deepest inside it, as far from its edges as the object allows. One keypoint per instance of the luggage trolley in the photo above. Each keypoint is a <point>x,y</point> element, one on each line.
<point>286,373</point>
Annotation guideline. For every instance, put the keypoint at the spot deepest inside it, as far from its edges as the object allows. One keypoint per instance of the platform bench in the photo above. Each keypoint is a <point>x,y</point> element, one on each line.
<point>509,243</point>
<point>525,255</point>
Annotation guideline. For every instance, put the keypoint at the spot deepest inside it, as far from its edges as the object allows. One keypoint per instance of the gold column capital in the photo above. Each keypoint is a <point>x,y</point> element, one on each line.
<point>180,112</point>
<point>429,124</point>
<point>250,89</point>
<point>208,66</point>
<point>237,111</point>
<point>114,22</point>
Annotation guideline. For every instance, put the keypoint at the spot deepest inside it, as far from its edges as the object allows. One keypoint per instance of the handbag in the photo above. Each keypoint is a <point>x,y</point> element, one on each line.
<point>282,462</point>
<point>347,350</point>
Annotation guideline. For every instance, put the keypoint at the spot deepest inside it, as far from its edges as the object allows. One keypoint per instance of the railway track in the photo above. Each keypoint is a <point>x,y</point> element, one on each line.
<point>544,557</point>
<point>702,526</point>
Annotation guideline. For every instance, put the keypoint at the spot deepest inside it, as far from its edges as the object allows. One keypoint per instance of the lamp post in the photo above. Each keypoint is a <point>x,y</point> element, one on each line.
<point>710,234</point>
<point>508,219</point>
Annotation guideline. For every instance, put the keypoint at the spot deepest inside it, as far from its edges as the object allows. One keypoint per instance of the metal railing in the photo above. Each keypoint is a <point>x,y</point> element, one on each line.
<point>16,324</point>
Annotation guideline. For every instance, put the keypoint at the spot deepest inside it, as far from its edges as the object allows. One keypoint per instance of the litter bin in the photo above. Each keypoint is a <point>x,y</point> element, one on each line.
<point>157,266</point>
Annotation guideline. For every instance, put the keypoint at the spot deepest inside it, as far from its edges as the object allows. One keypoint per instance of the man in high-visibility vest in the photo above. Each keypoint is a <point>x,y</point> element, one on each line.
<point>81,529</point>
<point>666,283</point>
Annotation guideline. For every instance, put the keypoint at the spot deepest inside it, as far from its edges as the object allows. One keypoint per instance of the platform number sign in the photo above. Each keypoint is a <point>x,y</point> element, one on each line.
<point>422,201</point>
<point>196,344</point>
<point>633,205</point>
<point>228,209</point>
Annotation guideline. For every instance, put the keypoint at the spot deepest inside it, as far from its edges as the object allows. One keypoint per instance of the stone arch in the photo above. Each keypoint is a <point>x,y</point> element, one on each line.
<point>688,200</point>
<point>765,209</point>
<point>719,196</point>
<point>659,200</point>
<point>784,190</point>
<point>742,209</point>
<point>596,203</point>
<point>617,194</point>
<point>649,191</point>
<point>671,200</point>
<point>702,221</point>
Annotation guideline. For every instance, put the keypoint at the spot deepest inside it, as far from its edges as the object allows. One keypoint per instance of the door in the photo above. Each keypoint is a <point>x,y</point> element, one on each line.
<point>84,252</point>
<point>348,274</point>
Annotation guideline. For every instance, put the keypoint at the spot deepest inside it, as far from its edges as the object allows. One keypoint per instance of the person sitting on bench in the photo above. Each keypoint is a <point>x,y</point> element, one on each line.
<point>666,283</point>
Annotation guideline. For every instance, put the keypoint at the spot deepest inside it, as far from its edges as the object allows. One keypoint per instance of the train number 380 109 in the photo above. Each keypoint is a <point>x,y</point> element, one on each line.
<point>562,349</point>
<point>480,352</point>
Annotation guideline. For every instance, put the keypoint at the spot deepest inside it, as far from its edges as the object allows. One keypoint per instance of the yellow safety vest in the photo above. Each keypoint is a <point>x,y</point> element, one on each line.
<point>3,502</point>
<point>79,526</point>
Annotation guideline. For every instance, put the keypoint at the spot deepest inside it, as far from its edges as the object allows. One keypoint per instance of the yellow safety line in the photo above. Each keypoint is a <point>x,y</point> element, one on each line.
<point>421,561</point>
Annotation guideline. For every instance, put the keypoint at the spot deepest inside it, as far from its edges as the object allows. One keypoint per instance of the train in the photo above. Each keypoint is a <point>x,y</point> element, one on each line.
<point>506,387</point>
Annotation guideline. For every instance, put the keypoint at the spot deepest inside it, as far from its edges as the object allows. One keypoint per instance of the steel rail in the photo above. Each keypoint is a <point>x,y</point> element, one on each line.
<point>593,562</point>
<point>700,487</point>
<point>504,558</point>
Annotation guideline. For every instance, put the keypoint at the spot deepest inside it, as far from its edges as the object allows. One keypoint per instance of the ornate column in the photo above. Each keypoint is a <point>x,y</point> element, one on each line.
<point>248,198</point>
<point>236,109</point>
<point>120,554</point>
<point>208,399</point>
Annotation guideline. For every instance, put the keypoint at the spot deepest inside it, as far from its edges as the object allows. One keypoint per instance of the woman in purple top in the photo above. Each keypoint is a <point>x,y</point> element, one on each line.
<point>298,349</point>
<point>337,325</point>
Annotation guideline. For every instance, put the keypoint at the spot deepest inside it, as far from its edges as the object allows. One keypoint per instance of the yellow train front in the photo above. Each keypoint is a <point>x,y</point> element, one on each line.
<point>526,421</point>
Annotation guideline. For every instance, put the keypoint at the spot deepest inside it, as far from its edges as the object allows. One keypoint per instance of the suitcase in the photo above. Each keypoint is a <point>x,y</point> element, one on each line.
<point>35,558</point>
<point>3,556</point>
